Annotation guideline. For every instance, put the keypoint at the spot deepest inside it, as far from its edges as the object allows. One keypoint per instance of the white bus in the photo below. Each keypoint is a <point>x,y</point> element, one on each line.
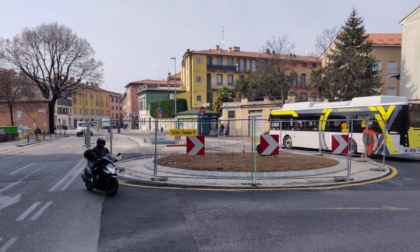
<point>312,124</point>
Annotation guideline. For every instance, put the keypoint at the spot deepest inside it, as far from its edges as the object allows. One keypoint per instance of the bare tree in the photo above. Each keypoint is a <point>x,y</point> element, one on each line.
<point>14,88</point>
<point>55,58</point>
<point>326,39</point>
<point>273,73</point>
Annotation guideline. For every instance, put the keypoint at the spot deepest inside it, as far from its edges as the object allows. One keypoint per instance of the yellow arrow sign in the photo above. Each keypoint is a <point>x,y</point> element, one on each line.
<point>183,132</point>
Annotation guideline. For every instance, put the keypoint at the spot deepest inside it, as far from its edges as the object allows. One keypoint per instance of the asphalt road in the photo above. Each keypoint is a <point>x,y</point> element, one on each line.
<point>45,207</point>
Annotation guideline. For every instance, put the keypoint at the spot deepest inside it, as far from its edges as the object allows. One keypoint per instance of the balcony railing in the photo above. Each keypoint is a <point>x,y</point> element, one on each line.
<point>221,68</point>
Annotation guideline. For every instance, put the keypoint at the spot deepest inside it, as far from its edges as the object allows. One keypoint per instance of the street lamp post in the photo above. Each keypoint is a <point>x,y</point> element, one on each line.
<point>173,58</point>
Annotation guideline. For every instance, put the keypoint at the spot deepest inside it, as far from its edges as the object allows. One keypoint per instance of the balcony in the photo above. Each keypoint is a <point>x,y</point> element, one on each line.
<point>221,68</point>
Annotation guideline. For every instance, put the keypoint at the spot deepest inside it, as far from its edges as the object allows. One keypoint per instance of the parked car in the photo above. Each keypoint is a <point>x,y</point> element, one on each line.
<point>2,135</point>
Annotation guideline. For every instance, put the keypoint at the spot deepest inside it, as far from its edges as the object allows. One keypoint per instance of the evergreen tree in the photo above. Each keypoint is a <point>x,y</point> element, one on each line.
<point>351,69</point>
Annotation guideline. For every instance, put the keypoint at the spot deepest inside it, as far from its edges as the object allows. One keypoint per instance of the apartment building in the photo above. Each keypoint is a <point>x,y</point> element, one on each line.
<point>386,48</point>
<point>115,107</point>
<point>204,72</point>
<point>89,103</point>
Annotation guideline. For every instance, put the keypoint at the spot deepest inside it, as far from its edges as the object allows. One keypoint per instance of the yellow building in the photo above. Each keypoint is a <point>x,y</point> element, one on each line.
<point>204,72</point>
<point>90,103</point>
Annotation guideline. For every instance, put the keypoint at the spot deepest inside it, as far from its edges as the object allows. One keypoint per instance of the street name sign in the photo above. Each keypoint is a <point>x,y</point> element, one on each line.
<point>183,132</point>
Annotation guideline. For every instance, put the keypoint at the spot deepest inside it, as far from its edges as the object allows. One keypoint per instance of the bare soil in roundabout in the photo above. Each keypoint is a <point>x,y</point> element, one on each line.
<point>242,162</point>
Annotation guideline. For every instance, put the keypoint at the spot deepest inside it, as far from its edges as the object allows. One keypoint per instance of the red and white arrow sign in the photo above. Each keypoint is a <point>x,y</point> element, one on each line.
<point>195,145</point>
<point>340,144</point>
<point>269,145</point>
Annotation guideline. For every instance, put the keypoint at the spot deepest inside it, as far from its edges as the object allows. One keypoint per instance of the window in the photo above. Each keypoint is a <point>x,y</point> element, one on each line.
<point>230,80</point>
<point>209,60</point>
<point>242,65</point>
<point>198,79</point>
<point>253,65</point>
<point>377,66</point>
<point>198,60</point>
<point>219,80</point>
<point>313,65</point>
<point>303,64</point>
<point>392,67</point>
<point>210,97</point>
<point>230,61</point>
<point>112,99</point>
<point>198,97</point>
<point>303,80</point>
<point>219,60</point>
<point>231,114</point>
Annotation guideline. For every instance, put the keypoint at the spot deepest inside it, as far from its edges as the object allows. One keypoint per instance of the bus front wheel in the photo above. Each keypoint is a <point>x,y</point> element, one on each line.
<point>287,142</point>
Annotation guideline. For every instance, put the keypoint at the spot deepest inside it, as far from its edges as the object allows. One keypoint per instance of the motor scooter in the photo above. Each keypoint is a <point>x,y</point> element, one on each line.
<point>102,174</point>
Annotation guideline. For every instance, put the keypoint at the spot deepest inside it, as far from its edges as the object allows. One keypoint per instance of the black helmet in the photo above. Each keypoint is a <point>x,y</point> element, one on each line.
<point>101,141</point>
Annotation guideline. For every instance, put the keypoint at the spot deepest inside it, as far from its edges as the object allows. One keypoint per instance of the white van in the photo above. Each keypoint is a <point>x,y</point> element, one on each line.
<point>81,128</point>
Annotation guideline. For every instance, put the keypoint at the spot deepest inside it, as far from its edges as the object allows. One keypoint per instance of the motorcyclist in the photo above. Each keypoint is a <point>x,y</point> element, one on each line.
<point>97,152</point>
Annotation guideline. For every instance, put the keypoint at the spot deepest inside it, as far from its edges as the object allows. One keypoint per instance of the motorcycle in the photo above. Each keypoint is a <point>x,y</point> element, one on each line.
<point>105,176</point>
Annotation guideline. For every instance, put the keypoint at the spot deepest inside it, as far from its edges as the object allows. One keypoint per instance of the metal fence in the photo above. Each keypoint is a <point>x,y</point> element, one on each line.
<point>231,147</point>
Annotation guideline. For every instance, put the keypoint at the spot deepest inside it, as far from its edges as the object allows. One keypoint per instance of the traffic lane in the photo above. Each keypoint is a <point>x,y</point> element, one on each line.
<point>144,220</point>
<point>184,220</point>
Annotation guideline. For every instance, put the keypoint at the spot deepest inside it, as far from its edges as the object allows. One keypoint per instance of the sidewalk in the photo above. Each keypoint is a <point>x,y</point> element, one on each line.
<point>142,171</point>
<point>10,145</point>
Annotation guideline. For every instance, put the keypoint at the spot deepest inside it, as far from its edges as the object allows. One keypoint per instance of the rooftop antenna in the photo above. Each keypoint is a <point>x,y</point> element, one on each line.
<point>223,37</point>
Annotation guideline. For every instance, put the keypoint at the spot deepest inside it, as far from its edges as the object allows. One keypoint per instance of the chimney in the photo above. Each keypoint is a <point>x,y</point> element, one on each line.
<point>230,49</point>
<point>236,49</point>
<point>267,51</point>
<point>217,47</point>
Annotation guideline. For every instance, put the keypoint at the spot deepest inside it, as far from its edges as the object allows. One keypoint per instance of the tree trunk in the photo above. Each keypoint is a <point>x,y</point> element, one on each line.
<point>51,106</point>
<point>11,115</point>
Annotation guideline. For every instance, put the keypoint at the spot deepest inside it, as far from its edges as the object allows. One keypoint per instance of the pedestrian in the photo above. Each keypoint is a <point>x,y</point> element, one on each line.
<point>222,130</point>
<point>38,132</point>
<point>367,140</point>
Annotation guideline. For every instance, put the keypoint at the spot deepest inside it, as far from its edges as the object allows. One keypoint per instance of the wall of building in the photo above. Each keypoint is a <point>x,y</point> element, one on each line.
<point>385,55</point>
<point>26,115</point>
<point>410,56</point>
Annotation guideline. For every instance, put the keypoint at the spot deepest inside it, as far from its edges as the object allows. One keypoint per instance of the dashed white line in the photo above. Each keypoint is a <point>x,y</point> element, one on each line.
<point>40,211</point>
<point>28,211</point>
<point>26,166</point>
<point>8,244</point>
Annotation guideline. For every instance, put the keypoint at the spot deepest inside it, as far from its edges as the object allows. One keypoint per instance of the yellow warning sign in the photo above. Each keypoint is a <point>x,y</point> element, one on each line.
<point>183,132</point>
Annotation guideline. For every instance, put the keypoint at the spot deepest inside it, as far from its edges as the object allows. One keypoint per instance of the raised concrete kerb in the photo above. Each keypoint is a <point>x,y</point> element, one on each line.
<point>219,174</point>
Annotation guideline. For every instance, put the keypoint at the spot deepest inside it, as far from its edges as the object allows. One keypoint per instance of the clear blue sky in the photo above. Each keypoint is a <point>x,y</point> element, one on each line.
<point>136,38</point>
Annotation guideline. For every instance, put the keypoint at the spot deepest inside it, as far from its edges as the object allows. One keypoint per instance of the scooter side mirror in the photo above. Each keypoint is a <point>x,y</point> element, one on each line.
<point>119,154</point>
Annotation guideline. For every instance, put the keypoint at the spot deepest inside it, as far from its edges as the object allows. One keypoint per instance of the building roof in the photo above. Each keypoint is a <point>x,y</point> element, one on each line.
<point>385,38</point>
<point>260,55</point>
<point>411,16</point>
<point>153,82</point>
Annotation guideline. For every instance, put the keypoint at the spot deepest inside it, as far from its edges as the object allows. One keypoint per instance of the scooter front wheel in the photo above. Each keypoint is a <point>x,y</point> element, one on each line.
<point>89,187</point>
<point>113,186</point>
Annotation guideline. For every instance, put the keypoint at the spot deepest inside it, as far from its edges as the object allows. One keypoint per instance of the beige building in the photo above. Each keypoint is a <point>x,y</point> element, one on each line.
<point>410,56</point>
<point>237,116</point>
<point>386,48</point>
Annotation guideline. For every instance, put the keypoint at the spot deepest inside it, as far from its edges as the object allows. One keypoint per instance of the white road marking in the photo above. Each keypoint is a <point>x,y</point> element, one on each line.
<point>8,244</point>
<point>26,166</point>
<point>63,183</point>
<point>6,201</point>
<point>28,211</point>
<point>41,210</point>
<point>8,186</point>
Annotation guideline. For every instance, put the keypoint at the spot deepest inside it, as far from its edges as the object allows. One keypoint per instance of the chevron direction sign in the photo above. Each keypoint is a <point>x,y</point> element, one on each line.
<point>340,144</point>
<point>269,145</point>
<point>195,145</point>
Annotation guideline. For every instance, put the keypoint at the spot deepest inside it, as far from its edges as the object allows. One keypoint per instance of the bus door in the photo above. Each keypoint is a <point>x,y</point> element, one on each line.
<point>414,126</point>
